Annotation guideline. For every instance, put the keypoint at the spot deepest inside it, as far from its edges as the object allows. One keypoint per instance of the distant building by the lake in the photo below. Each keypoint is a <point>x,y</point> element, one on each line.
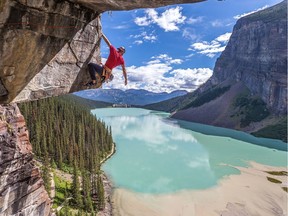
<point>121,105</point>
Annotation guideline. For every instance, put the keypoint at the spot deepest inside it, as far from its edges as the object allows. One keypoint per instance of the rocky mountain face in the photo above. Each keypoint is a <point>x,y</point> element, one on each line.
<point>22,190</point>
<point>256,54</point>
<point>253,71</point>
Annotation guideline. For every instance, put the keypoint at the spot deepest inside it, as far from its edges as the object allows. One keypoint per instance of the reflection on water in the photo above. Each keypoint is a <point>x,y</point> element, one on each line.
<point>150,131</point>
<point>239,135</point>
<point>155,155</point>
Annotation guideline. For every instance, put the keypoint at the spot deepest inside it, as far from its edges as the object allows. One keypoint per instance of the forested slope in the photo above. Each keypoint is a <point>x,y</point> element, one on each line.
<point>65,135</point>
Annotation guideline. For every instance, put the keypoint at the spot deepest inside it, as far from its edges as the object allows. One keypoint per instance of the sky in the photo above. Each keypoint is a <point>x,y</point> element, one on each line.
<point>173,47</point>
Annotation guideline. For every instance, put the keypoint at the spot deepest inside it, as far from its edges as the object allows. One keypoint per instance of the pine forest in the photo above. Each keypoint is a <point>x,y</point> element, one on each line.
<point>66,136</point>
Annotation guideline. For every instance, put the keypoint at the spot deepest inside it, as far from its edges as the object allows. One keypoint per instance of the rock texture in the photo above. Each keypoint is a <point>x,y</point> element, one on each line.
<point>256,54</point>
<point>21,188</point>
<point>216,112</point>
<point>52,38</point>
<point>31,34</point>
<point>67,71</point>
<point>129,5</point>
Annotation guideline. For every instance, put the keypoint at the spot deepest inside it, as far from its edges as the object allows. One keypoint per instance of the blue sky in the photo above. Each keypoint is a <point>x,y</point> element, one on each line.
<point>173,47</point>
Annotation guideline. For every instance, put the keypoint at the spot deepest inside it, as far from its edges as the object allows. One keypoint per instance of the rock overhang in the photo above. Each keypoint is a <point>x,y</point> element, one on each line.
<point>30,46</point>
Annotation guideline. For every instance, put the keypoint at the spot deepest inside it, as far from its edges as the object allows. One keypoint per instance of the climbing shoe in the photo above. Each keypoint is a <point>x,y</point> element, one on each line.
<point>90,84</point>
<point>102,79</point>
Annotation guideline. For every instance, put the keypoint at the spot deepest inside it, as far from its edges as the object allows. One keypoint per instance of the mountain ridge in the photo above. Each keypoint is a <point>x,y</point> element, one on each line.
<point>137,97</point>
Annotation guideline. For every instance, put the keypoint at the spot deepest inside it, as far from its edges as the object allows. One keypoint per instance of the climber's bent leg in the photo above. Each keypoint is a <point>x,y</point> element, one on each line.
<point>93,68</point>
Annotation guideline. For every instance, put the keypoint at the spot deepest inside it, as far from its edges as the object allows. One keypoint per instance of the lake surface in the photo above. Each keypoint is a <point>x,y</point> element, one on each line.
<point>156,154</point>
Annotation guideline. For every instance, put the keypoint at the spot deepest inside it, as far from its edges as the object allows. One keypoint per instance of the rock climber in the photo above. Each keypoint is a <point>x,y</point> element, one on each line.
<point>115,59</point>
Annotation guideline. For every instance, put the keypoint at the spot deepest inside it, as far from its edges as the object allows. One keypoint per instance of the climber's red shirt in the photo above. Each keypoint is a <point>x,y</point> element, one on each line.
<point>114,58</point>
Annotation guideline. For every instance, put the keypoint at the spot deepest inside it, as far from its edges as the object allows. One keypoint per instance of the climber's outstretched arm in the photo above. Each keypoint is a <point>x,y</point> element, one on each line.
<point>106,40</point>
<point>124,73</point>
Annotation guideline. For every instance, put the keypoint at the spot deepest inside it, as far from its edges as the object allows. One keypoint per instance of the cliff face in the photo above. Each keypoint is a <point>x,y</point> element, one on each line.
<point>257,55</point>
<point>254,68</point>
<point>129,5</point>
<point>68,69</point>
<point>31,34</point>
<point>21,187</point>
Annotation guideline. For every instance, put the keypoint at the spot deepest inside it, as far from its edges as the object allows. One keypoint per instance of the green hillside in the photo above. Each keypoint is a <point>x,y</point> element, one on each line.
<point>275,131</point>
<point>172,104</point>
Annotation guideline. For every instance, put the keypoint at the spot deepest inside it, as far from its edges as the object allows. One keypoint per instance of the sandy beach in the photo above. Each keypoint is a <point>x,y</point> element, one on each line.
<point>250,193</point>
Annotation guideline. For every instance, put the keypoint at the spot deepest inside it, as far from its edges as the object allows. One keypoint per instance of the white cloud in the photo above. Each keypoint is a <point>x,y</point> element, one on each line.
<point>222,23</point>
<point>144,37</point>
<point>245,14</point>
<point>189,56</point>
<point>158,75</point>
<point>166,58</point>
<point>211,52</point>
<point>217,23</point>
<point>121,27</point>
<point>210,49</point>
<point>224,38</point>
<point>138,42</point>
<point>204,45</point>
<point>168,20</point>
<point>150,37</point>
<point>142,21</point>
<point>156,61</point>
<point>190,33</point>
<point>192,20</point>
<point>176,61</point>
<point>192,77</point>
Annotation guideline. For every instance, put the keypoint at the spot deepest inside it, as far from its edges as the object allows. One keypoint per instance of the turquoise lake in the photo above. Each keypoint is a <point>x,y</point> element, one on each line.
<point>156,154</point>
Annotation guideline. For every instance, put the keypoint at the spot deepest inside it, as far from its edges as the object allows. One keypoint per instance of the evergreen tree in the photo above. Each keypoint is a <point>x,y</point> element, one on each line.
<point>86,186</point>
<point>100,194</point>
<point>46,173</point>
<point>76,188</point>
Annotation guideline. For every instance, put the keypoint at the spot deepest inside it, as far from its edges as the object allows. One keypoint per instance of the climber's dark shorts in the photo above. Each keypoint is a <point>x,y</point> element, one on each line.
<point>93,68</point>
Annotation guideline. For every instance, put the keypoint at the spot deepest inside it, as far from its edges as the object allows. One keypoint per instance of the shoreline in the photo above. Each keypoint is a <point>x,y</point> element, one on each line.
<point>108,187</point>
<point>253,192</point>
<point>113,151</point>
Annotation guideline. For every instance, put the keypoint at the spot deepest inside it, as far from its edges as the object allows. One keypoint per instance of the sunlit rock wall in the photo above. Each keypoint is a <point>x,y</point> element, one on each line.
<point>67,71</point>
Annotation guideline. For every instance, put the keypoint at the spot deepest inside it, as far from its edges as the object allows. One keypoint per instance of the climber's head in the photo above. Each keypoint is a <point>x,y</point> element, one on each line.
<point>121,50</point>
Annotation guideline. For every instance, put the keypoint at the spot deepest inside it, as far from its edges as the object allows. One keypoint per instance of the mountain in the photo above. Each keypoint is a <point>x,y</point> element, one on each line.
<point>132,96</point>
<point>248,88</point>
